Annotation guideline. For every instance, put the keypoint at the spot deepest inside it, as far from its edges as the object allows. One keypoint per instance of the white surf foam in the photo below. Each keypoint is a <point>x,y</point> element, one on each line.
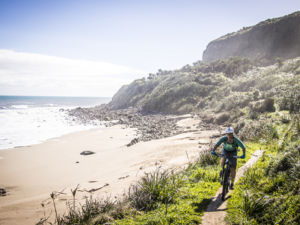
<point>23,125</point>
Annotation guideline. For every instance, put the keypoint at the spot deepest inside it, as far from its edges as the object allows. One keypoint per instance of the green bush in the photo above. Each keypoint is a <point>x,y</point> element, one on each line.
<point>154,188</point>
<point>221,119</point>
<point>268,105</point>
<point>269,192</point>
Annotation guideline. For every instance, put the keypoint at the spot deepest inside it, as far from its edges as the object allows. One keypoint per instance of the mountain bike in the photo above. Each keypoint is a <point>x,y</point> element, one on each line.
<point>225,174</point>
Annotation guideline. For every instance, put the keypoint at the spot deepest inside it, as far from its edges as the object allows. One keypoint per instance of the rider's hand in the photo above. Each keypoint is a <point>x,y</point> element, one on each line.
<point>243,156</point>
<point>213,152</point>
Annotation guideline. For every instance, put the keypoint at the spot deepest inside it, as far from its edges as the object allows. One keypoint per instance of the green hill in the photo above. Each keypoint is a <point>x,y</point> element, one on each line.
<point>221,86</point>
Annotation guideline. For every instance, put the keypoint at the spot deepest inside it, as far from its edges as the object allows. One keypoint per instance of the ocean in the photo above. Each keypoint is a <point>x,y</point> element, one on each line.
<point>28,120</point>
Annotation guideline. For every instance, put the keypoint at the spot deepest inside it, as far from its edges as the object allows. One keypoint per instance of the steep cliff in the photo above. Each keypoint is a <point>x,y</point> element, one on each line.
<point>264,42</point>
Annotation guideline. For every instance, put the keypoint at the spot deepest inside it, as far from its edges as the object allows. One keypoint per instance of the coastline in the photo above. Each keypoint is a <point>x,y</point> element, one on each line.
<point>31,173</point>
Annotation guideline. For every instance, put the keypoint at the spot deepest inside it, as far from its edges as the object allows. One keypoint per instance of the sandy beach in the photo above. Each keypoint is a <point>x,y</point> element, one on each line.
<point>29,174</point>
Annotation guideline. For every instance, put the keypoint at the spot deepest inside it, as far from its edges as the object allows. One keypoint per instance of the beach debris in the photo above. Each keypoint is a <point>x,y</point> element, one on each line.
<point>87,153</point>
<point>120,178</point>
<point>93,181</point>
<point>94,189</point>
<point>2,192</point>
<point>133,141</point>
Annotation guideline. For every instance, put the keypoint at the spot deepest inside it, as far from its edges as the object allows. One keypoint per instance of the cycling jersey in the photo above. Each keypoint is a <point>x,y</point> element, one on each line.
<point>229,147</point>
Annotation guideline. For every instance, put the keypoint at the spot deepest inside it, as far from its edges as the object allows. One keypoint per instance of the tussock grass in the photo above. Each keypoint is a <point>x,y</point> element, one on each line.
<point>153,189</point>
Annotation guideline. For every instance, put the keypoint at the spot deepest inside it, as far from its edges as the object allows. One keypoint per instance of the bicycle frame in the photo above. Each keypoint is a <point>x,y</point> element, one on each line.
<point>225,174</point>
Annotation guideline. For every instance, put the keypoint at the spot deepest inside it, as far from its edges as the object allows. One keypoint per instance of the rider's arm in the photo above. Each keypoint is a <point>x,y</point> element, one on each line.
<point>241,144</point>
<point>220,141</point>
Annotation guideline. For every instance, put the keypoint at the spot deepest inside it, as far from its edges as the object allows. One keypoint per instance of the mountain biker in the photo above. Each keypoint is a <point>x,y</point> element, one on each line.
<point>230,146</point>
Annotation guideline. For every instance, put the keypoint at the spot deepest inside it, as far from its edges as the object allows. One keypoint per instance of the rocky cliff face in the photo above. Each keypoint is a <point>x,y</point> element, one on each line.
<point>264,42</point>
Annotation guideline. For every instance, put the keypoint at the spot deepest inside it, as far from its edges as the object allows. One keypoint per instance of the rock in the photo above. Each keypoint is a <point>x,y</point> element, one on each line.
<point>87,153</point>
<point>133,141</point>
<point>150,126</point>
<point>2,192</point>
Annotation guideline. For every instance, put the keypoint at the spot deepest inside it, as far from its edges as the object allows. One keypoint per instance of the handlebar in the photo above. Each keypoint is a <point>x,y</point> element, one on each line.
<point>221,155</point>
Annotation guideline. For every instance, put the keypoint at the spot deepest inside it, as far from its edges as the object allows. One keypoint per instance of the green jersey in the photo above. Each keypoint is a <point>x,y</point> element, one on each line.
<point>230,146</point>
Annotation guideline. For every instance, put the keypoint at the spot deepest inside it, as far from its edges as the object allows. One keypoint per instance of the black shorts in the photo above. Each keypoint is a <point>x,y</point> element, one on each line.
<point>230,155</point>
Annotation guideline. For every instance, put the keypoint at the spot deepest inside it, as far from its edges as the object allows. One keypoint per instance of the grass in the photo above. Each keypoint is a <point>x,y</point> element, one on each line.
<point>160,197</point>
<point>269,192</point>
<point>198,184</point>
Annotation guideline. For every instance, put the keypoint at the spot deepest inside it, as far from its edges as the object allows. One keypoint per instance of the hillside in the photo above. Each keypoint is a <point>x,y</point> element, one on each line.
<point>220,82</point>
<point>261,102</point>
<point>219,86</point>
<point>264,42</point>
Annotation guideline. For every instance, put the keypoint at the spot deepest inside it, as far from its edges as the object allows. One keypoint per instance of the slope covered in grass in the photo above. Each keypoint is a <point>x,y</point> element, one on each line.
<point>220,86</point>
<point>269,193</point>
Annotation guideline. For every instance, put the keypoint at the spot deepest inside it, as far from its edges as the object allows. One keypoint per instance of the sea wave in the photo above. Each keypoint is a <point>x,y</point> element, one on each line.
<point>19,106</point>
<point>23,126</point>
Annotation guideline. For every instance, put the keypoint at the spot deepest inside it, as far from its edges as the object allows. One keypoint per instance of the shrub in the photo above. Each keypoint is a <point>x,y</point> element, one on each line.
<point>154,188</point>
<point>279,62</point>
<point>94,211</point>
<point>256,95</point>
<point>222,118</point>
<point>291,101</point>
<point>268,105</point>
<point>207,159</point>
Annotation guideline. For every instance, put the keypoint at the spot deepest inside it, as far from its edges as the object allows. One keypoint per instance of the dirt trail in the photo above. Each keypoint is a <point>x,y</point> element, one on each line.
<point>216,210</point>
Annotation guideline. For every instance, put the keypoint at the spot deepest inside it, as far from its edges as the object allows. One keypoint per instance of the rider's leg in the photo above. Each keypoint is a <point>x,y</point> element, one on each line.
<point>233,161</point>
<point>232,174</point>
<point>222,161</point>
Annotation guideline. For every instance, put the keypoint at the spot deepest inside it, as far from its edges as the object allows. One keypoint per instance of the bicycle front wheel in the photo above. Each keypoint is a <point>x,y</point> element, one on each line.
<point>225,183</point>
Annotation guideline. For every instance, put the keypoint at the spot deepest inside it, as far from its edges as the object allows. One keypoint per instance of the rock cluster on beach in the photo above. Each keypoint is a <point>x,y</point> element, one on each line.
<point>149,126</point>
<point>2,191</point>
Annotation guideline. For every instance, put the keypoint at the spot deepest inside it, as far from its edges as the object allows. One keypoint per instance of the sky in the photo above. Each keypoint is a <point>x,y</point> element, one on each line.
<point>93,47</point>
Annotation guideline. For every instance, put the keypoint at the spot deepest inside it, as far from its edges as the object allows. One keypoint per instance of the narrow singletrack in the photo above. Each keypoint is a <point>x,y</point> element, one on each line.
<point>216,210</point>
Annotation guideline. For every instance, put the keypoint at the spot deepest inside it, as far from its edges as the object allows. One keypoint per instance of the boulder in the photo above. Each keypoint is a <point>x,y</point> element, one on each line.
<point>2,192</point>
<point>87,153</point>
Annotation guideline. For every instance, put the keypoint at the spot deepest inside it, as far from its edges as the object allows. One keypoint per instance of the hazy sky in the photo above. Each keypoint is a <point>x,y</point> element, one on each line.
<point>91,48</point>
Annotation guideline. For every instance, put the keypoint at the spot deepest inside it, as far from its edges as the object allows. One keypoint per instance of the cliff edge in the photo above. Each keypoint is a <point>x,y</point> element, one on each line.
<point>264,42</point>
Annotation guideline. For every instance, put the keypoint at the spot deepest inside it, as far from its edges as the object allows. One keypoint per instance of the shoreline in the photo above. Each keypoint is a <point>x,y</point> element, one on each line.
<point>51,138</point>
<point>31,173</point>
<point>37,124</point>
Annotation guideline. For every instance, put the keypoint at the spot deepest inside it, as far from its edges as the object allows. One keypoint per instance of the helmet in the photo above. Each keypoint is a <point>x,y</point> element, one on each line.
<point>229,130</point>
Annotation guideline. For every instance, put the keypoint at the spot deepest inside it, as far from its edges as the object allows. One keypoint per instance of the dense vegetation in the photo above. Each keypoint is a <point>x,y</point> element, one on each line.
<point>264,109</point>
<point>221,86</point>
<point>269,193</point>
